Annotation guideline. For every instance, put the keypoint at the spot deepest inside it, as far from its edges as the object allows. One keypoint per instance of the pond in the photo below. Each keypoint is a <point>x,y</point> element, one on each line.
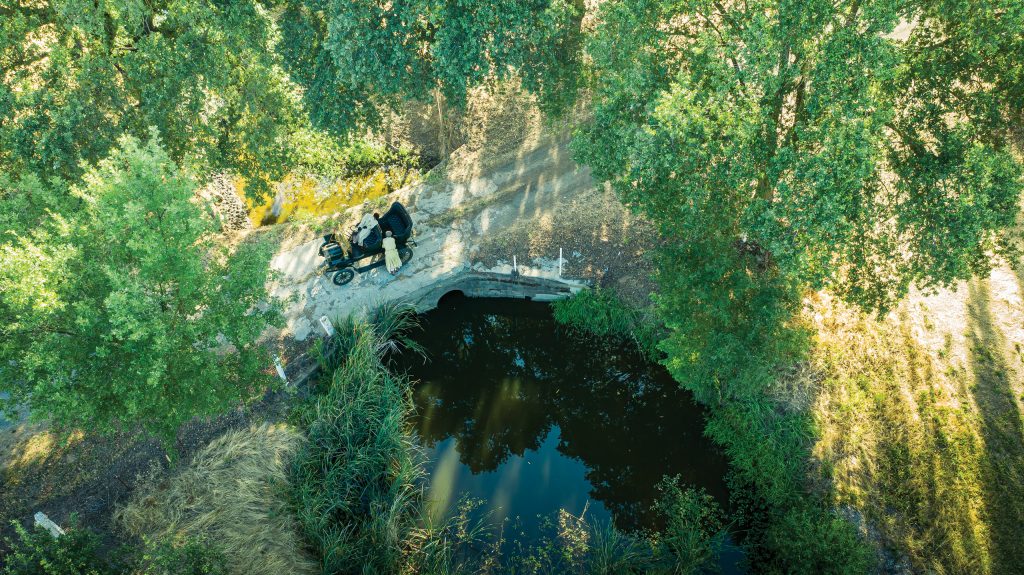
<point>517,411</point>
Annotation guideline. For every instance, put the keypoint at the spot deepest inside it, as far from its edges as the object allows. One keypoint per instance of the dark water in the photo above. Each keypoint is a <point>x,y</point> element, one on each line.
<point>518,412</point>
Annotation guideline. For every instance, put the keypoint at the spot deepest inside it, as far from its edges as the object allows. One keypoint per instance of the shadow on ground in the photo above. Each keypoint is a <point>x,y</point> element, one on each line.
<point>1002,465</point>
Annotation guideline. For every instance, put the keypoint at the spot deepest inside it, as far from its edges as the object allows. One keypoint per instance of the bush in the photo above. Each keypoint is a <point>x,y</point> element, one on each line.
<point>809,539</point>
<point>78,552</point>
<point>694,528</point>
<point>601,314</point>
<point>320,154</point>
<point>36,552</point>
<point>192,557</point>
<point>788,529</point>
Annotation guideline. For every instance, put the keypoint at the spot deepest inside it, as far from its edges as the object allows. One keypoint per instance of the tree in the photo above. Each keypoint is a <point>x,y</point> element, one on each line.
<point>77,75</point>
<point>355,56</point>
<point>122,309</point>
<point>784,146</point>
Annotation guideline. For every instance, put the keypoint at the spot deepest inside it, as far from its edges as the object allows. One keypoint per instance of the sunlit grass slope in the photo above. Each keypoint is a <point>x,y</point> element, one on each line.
<point>924,442</point>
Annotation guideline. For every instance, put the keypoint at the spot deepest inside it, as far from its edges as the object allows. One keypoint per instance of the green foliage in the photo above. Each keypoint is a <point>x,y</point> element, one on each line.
<point>772,168</point>
<point>694,530</point>
<point>78,75</point>
<point>319,154</point>
<point>121,311</point>
<point>37,552</point>
<point>78,552</point>
<point>788,146</point>
<point>356,481</point>
<point>354,57</point>
<point>191,557</point>
<point>791,531</point>
<point>812,540</point>
<point>729,319</point>
<point>600,313</point>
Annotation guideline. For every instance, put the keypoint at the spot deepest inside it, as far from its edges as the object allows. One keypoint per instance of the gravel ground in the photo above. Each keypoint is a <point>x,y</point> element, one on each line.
<point>600,239</point>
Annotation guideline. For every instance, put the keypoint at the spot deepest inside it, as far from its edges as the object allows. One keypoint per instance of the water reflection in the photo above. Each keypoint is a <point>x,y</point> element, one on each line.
<point>519,412</point>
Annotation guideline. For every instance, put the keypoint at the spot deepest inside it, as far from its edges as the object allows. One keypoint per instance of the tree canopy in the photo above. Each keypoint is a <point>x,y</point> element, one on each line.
<point>353,57</point>
<point>122,308</point>
<point>790,145</point>
<point>75,76</point>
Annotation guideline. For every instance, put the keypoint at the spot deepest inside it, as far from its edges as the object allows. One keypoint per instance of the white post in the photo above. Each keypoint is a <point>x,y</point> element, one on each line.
<point>326,324</point>
<point>515,266</point>
<point>280,369</point>
<point>559,263</point>
<point>45,522</point>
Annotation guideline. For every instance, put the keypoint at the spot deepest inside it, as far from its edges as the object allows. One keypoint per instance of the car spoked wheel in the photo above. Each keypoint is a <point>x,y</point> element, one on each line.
<point>343,277</point>
<point>405,253</point>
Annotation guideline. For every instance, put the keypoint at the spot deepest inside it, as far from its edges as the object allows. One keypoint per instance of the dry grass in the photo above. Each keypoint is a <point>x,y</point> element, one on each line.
<point>234,493</point>
<point>926,447</point>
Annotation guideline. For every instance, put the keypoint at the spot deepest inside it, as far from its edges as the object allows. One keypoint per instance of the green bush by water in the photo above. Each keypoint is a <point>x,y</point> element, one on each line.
<point>601,314</point>
<point>357,482</point>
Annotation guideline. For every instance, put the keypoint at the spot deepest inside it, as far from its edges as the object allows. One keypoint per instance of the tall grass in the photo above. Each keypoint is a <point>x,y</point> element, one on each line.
<point>357,482</point>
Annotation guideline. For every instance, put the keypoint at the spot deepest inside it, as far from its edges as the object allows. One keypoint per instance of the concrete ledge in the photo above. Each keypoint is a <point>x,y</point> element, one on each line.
<point>470,283</point>
<point>493,285</point>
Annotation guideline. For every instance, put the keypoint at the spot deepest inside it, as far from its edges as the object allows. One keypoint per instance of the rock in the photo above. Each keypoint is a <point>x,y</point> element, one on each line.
<point>301,329</point>
<point>229,208</point>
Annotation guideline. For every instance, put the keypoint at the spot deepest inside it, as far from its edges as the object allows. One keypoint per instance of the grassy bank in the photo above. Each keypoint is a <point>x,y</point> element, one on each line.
<point>926,445</point>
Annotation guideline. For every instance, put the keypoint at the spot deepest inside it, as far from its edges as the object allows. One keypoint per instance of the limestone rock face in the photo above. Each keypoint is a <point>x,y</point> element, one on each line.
<point>231,210</point>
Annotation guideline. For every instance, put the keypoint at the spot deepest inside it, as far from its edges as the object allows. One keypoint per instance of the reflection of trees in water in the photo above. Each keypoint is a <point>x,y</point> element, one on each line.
<point>498,384</point>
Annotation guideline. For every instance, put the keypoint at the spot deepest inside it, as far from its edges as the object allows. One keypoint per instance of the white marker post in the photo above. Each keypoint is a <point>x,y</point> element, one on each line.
<point>559,263</point>
<point>326,324</point>
<point>280,369</point>
<point>46,523</point>
<point>515,266</point>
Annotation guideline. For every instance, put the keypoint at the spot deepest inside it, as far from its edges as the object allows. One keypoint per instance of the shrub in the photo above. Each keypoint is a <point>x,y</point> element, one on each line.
<point>318,153</point>
<point>36,552</point>
<point>192,557</point>
<point>601,314</point>
<point>809,539</point>
<point>694,528</point>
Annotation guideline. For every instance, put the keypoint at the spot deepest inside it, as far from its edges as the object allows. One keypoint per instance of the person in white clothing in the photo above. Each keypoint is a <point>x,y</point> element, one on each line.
<point>391,258</point>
